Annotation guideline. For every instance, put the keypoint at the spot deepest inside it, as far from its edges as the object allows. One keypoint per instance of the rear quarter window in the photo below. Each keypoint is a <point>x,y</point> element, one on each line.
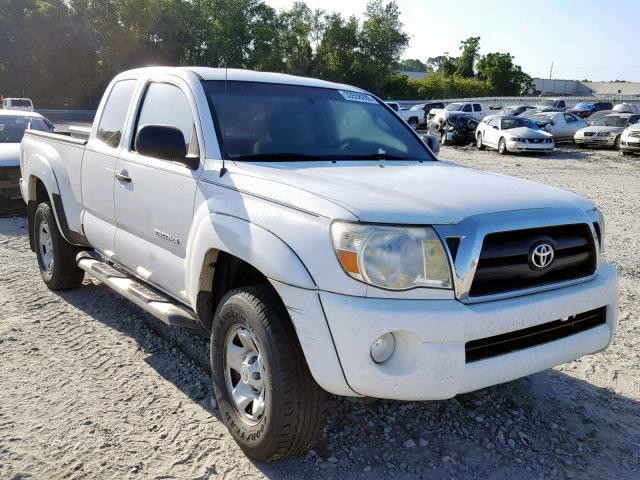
<point>115,112</point>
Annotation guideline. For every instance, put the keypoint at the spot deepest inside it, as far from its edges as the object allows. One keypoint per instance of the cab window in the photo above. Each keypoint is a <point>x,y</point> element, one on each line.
<point>466,108</point>
<point>477,107</point>
<point>569,118</point>
<point>115,112</point>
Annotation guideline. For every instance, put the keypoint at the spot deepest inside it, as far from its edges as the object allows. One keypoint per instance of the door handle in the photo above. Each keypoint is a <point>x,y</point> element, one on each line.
<point>123,176</point>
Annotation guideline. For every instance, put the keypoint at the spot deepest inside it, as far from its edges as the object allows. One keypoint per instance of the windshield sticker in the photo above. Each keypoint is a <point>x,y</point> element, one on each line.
<point>357,96</point>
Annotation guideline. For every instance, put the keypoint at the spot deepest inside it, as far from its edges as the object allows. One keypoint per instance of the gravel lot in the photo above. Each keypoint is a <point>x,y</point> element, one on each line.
<point>93,387</point>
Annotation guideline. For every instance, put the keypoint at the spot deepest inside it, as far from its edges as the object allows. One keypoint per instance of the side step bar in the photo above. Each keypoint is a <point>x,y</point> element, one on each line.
<point>156,303</point>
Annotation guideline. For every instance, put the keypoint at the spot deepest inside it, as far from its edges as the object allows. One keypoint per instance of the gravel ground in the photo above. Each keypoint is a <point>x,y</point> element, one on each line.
<point>93,387</point>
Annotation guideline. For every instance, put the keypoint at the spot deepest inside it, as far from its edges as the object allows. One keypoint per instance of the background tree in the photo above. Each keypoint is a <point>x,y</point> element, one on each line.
<point>467,59</point>
<point>502,76</point>
<point>412,65</point>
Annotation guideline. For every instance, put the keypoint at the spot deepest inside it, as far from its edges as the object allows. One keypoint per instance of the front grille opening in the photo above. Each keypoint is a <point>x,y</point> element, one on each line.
<point>530,337</point>
<point>453,243</point>
<point>504,261</point>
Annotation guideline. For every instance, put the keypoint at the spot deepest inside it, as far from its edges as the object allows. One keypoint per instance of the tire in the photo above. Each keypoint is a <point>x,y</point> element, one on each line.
<point>56,256</point>
<point>443,139</point>
<point>479,144</point>
<point>413,123</point>
<point>616,143</point>
<point>287,413</point>
<point>502,147</point>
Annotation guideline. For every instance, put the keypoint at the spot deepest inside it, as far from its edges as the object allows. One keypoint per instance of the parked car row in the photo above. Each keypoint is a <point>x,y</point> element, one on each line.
<point>13,124</point>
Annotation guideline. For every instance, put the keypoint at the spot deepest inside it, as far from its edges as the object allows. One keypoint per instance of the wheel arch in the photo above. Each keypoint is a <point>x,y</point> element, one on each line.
<point>227,252</point>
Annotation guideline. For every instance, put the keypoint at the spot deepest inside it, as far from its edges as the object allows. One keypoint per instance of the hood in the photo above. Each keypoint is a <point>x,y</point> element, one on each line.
<point>432,192</point>
<point>526,132</point>
<point>9,154</point>
<point>597,129</point>
<point>634,128</point>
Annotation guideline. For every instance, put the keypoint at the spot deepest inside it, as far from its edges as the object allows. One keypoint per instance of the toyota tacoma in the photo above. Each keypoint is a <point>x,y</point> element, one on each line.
<point>319,240</point>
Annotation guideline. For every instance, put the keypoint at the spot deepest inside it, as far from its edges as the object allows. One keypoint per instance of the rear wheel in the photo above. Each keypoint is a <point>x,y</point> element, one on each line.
<point>502,147</point>
<point>479,144</point>
<point>56,256</point>
<point>267,397</point>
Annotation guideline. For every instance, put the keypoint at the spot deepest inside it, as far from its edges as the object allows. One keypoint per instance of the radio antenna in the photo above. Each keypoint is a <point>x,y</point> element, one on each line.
<point>223,170</point>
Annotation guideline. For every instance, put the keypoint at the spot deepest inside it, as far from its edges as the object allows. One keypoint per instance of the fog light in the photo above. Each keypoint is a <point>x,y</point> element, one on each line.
<point>383,348</point>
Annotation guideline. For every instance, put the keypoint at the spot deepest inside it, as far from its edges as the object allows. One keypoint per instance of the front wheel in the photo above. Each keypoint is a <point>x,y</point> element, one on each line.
<point>616,143</point>
<point>413,122</point>
<point>502,147</point>
<point>267,397</point>
<point>479,144</point>
<point>443,139</point>
<point>56,256</point>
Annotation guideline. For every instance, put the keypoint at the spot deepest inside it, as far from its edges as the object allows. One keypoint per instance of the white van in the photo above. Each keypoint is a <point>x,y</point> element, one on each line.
<point>17,104</point>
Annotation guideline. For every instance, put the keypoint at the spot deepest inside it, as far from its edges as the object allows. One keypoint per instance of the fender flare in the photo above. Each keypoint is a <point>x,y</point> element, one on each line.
<point>40,169</point>
<point>255,245</point>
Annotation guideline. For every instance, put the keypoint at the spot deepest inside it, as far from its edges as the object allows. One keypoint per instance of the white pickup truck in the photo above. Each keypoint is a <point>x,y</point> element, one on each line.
<point>439,115</point>
<point>319,240</point>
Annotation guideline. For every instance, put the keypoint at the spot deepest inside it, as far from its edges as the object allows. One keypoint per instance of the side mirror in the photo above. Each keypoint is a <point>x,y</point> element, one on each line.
<point>165,143</point>
<point>432,142</point>
<point>495,127</point>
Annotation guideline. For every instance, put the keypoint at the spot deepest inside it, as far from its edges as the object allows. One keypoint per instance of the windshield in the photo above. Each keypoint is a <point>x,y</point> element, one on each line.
<point>453,107</point>
<point>583,106</point>
<point>598,115</point>
<point>612,121</point>
<point>12,127</point>
<point>508,123</point>
<point>20,103</point>
<point>542,117</point>
<point>417,107</point>
<point>547,103</point>
<point>267,121</point>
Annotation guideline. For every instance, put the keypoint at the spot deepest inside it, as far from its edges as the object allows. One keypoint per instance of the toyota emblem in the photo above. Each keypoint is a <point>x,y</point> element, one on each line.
<point>541,256</point>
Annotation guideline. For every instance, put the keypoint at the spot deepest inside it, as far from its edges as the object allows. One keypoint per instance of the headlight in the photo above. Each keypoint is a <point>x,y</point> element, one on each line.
<point>395,258</point>
<point>515,139</point>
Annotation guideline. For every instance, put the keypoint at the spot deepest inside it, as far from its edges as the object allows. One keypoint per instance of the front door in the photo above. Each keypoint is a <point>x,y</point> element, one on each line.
<point>154,198</point>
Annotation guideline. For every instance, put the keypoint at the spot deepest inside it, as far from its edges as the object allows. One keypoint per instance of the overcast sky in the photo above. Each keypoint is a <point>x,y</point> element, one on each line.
<point>594,39</point>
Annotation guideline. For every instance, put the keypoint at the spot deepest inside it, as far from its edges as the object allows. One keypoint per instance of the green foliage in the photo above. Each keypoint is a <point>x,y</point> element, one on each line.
<point>62,53</point>
<point>412,65</point>
<point>502,76</point>
<point>467,59</point>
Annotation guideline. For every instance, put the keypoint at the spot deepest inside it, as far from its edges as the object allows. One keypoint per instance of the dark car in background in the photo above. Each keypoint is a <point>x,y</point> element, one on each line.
<point>458,128</point>
<point>586,109</point>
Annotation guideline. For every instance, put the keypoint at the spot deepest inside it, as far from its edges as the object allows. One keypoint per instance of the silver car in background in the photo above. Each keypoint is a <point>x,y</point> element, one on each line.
<point>606,132</point>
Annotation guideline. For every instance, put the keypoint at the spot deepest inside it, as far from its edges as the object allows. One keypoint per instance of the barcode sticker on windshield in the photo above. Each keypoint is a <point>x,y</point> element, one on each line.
<point>357,96</point>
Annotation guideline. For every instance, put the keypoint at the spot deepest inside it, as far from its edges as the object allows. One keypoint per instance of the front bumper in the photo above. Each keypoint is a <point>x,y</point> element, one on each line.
<point>429,360</point>
<point>630,144</point>
<point>530,147</point>
<point>595,141</point>
<point>11,201</point>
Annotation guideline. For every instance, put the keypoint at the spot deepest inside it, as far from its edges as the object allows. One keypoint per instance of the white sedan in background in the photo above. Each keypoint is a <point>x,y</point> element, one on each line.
<point>13,124</point>
<point>607,131</point>
<point>512,134</point>
<point>562,125</point>
<point>630,140</point>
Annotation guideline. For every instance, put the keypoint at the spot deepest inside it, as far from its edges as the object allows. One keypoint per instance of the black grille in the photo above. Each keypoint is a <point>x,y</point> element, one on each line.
<point>530,337</point>
<point>504,260</point>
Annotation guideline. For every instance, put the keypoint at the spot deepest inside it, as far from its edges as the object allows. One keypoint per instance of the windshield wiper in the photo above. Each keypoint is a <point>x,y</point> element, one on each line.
<point>292,157</point>
<point>371,156</point>
<point>282,157</point>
